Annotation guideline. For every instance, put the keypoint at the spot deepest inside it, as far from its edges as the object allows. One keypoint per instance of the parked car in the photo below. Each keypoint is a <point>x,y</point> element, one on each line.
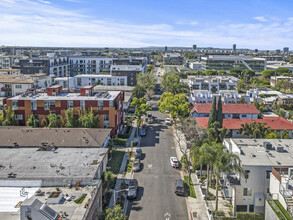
<point>179,187</point>
<point>168,121</point>
<point>143,132</point>
<point>136,165</point>
<point>138,153</point>
<point>174,162</point>
<point>150,118</point>
<point>132,189</point>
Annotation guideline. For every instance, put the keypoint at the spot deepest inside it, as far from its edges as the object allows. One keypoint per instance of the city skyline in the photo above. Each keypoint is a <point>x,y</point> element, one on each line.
<point>76,23</point>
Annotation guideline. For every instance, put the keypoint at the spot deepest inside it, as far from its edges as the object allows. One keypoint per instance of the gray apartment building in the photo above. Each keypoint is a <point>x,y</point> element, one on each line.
<point>57,66</point>
<point>129,67</point>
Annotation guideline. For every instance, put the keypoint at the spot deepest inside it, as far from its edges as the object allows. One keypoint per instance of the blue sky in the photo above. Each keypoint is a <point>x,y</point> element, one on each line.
<point>262,24</point>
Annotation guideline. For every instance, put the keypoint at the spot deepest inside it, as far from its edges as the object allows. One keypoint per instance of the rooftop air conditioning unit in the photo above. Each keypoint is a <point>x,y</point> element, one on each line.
<point>280,148</point>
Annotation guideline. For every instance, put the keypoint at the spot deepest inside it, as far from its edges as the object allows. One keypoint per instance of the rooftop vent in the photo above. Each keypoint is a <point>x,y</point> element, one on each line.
<point>253,155</point>
<point>280,148</point>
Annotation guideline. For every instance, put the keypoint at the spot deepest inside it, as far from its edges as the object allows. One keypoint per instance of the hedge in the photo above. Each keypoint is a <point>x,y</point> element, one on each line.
<point>127,133</point>
<point>119,141</point>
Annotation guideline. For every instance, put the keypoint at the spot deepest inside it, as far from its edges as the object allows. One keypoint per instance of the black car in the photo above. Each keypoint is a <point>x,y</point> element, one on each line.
<point>132,189</point>
<point>138,153</point>
<point>179,187</point>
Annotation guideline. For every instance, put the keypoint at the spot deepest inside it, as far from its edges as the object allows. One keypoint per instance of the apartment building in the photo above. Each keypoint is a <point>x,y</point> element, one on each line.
<point>10,72</point>
<point>89,64</point>
<point>212,84</point>
<point>7,62</point>
<point>281,185</point>
<point>219,62</point>
<point>204,96</point>
<point>173,59</point>
<point>258,158</point>
<point>42,183</point>
<point>108,105</point>
<point>275,123</point>
<point>129,67</point>
<point>230,111</point>
<point>285,99</point>
<point>203,89</point>
<point>12,85</point>
<point>55,66</point>
<point>82,80</point>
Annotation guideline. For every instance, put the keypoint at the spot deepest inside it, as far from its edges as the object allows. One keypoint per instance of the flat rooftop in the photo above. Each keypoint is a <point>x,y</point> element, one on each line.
<point>54,137</point>
<point>111,95</point>
<point>113,88</point>
<point>10,200</point>
<point>60,164</point>
<point>253,152</point>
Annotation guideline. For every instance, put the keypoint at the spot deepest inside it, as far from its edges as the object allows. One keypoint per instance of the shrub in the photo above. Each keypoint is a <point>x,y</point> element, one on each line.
<point>119,141</point>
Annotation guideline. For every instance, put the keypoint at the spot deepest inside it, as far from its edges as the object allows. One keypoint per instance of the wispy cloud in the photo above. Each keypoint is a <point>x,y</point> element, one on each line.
<point>28,22</point>
<point>260,18</point>
<point>187,22</point>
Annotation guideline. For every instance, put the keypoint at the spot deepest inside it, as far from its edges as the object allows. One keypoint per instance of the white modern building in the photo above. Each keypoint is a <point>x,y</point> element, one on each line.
<point>273,65</point>
<point>281,186</point>
<point>89,64</point>
<point>221,62</point>
<point>83,80</point>
<point>173,59</point>
<point>204,96</point>
<point>212,84</point>
<point>258,157</point>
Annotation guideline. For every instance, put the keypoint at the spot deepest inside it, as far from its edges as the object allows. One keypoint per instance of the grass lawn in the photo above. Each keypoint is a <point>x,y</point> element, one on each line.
<point>191,191</point>
<point>115,162</point>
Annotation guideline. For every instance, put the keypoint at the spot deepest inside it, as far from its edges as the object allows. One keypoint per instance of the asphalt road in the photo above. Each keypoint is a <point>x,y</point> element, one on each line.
<point>156,197</point>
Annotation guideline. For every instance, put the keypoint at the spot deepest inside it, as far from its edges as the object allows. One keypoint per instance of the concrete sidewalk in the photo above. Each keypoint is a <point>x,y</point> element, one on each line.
<point>196,205</point>
<point>119,179</point>
<point>133,137</point>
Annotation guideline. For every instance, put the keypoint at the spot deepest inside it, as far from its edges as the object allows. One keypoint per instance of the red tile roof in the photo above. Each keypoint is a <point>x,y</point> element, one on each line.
<point>275,123</point>
<point>227,108</point>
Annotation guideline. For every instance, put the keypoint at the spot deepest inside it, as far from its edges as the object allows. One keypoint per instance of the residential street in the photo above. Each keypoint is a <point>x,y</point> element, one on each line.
<point>156,197</point>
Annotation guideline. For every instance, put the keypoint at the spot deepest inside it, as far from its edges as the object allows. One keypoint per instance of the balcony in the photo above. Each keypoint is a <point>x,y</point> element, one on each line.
<point>5,89</point>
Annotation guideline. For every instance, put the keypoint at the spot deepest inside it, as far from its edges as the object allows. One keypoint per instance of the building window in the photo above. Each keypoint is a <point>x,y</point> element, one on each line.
<point>109,81</point>
<point>18,117</point>
<point>244,116</point>
<point>18,86</point>
<point>106,121</point>
<point>100,105</point>
<point>247,174</point>
<point>46,105</point>
<point>82,104</point>
<point>110,103</point>
<point>14,105</point>
<point>34,105</point>
<point>122,82</point>
<point>70,105</point>
<point>247,192</point>
<point>78,81</point>
<point>268,174</point>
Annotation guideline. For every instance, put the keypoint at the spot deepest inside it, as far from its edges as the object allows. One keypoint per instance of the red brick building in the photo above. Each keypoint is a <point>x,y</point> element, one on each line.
<point>108,105</point>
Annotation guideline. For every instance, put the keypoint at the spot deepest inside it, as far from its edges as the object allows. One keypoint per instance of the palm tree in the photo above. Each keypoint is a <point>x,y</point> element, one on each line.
<point>225,162</point>
<point>206,155</point>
